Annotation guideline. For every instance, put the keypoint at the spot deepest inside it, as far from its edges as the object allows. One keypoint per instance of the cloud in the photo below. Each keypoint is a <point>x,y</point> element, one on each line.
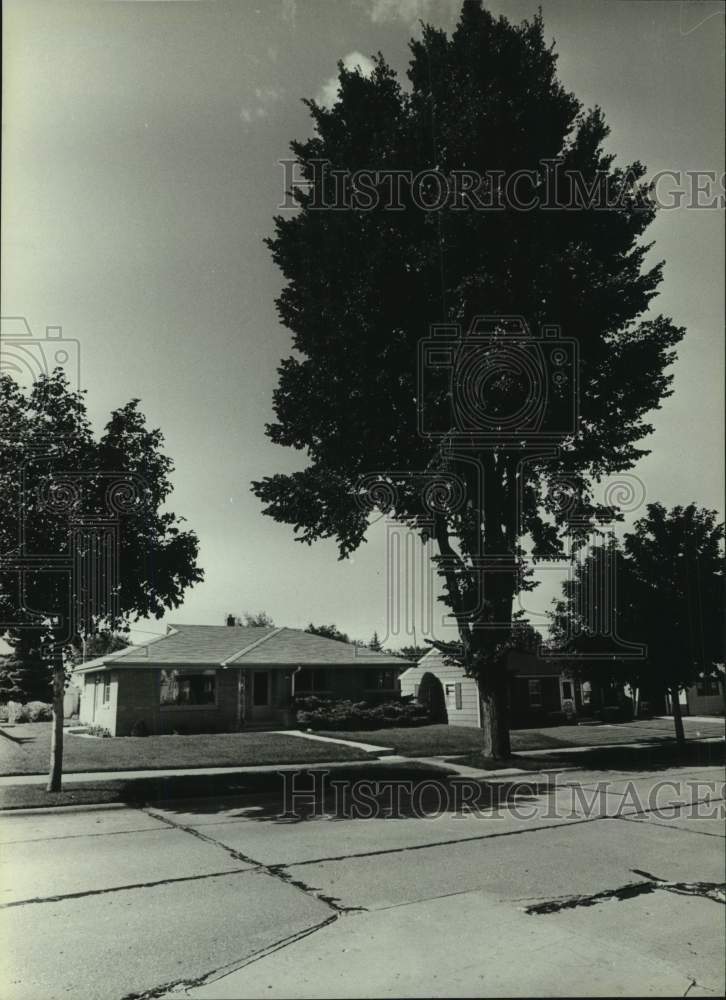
<point>328,93</point>
<point>259,108</point>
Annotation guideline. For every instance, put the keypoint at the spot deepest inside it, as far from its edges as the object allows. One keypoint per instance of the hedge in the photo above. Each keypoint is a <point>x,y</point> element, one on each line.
<point>324,713</point>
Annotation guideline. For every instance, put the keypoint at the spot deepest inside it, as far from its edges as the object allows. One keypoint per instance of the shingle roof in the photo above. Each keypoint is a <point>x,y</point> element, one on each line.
<point>225,645</point>
<point>519,662</point>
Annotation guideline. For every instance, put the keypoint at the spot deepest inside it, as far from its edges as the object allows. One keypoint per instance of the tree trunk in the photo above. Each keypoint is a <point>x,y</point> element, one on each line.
<point>493,699</point>
<point>677,716</point>
<point>56,739</point>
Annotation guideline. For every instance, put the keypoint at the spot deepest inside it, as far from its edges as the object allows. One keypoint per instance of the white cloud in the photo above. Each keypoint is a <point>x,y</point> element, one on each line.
<point>328,93</point>
<point>264,96</point>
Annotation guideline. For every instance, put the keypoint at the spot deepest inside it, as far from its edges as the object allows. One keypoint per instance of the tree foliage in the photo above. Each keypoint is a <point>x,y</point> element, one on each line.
<point>362,287</point>
<point>328,632</point>
<point>88,541</point>
<point>97,645</point>
<point>669,599</point>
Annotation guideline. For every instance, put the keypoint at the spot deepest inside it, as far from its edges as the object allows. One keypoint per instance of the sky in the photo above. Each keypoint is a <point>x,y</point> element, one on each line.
<point>141,170</point>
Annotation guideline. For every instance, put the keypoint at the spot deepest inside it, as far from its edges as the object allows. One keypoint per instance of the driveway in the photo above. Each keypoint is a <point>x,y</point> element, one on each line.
<point>605,883</point>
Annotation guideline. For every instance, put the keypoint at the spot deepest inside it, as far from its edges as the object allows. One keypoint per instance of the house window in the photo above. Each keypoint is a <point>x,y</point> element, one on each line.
<point>106,689</point>
<point>184,689</point>
<point>383,680</point>
<point>706,686</point>
<point>567,690</point>
<point>535,692</point>
<point>311,681</point>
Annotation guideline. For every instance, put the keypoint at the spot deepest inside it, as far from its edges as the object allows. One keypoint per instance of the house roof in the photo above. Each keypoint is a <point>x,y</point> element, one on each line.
<point>519,662</point>
<point>240,646</point>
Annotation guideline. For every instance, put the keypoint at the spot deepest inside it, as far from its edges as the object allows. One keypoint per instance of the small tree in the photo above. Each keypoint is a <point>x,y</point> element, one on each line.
<point>594,626</point>
<point>24,673</point>
<point>677,563</point>
<point>89,545</point>
<point>669,575</point>
<point>375,643</point>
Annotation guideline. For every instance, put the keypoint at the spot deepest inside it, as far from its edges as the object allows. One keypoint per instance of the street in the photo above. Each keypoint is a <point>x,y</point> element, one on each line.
<point>601,889</point>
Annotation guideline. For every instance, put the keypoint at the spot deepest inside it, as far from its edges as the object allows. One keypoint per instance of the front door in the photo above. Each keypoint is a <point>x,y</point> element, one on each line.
<point>260,695</point>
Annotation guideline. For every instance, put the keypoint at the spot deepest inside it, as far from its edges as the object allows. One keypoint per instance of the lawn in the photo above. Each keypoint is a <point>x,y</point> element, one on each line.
<point>264,788</point>
<point>442,740</point>
<point>25,749</point>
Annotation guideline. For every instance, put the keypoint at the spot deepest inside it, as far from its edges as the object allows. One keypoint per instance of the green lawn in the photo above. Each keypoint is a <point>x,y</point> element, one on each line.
<point>434,741</point>
<point>264,788</point>
<point>25,749</point>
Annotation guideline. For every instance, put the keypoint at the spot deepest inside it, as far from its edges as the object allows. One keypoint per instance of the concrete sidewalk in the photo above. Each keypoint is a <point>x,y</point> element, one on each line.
<point>226,898</point>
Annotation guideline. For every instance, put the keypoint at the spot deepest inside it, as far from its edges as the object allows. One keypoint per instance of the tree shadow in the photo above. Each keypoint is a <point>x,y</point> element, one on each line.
<point>657,756</point>
<point>392,792</point>
<point>19,740</point>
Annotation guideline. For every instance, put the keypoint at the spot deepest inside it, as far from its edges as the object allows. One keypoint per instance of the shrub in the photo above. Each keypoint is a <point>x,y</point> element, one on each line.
<point>39,711</point>
<point>139,728</point>
<point>321,713</point>
<point>101,731</point>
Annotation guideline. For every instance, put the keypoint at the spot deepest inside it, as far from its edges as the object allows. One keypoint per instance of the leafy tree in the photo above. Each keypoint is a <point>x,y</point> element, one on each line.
<point>413,653</point>
<point>97,645</point>
<point>595,624</point>
<point>259,620</point>
<point>24,674</point>
<point>669,598</point>
<point>362,288</point>
<point>88,542</point>
<point>678,566</point>
<point>328,631</point>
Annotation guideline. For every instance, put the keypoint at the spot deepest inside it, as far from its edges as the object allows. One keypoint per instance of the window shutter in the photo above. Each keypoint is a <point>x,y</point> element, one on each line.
<point>457,690</point>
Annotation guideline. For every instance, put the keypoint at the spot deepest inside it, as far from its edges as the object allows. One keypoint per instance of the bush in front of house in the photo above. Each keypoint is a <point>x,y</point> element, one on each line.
<point>39,711</point>
<point>34,711</point>
<point>324,713</point>
<point>100,731</point>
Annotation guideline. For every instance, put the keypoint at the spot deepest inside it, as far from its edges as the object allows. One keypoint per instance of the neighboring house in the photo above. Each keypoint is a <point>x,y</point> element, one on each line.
<point>705,697</point>
<point>539,690</point>
<point>222,678</point>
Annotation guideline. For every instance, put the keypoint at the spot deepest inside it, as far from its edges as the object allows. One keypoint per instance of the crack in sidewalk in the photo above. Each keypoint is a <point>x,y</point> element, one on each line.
<point>121,888</point>
<point>278,871</point>
<point>183,985</point>
<point>715,891</point>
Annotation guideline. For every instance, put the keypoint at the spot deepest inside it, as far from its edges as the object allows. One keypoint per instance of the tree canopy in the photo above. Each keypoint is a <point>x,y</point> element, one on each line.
<point>365,282</point>
<point>328,632</point>
<point>87,539</point>
<point>659,628</point>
